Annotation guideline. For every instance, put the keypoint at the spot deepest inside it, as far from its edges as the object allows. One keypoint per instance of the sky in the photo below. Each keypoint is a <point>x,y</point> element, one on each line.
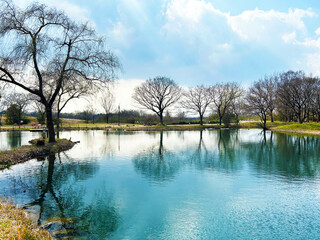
<point>202,41</point>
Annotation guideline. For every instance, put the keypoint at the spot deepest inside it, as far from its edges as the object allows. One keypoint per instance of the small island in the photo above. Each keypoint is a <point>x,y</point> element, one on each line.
<point>38,148</point>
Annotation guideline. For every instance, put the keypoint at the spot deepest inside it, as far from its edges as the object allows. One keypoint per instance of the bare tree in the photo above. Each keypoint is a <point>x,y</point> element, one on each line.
<point>107,101</point>
<point>316,100</point>
<point>270,84</point>
<point>257,100</point>
<point>91,111</point>
<point>223,95</point>
<point>45,49</point>
<point>237,107</point>
<point>197,100</point>
<point>157,95</point>
<point>295,91</point>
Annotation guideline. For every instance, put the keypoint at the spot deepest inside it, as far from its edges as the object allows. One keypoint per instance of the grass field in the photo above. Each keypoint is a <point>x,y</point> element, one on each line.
<point>305,126</point>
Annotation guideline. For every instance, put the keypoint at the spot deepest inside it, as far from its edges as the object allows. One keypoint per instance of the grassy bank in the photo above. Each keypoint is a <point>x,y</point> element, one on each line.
<point>15,225</point>
<point>257,124</point>
<point>304,128</point>
<point>27,152</point>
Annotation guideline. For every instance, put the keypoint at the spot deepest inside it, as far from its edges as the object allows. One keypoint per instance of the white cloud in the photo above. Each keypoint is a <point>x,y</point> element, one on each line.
<point>122,35</point>
<point>221,39</point>
<point>313,63</point>
<point>189,11</point>
<point>124,89</point>
<point>259,25</point>
<point>289,37</point>
<point>194,17</point>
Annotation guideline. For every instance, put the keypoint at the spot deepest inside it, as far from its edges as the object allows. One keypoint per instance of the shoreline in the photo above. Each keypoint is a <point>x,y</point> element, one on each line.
<point>28,152</point>
<point>274,127</point>
<point>302,132</point>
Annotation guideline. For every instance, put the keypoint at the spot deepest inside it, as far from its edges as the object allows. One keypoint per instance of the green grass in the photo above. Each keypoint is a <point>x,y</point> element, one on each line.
<point>258,124</point>
<point>304,126</point>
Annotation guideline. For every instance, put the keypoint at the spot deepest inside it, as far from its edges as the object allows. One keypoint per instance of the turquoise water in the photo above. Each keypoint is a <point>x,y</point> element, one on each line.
<point>215,184</point>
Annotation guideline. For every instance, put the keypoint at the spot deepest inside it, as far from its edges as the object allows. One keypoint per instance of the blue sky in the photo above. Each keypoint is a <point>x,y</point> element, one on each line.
<point>205,41</point>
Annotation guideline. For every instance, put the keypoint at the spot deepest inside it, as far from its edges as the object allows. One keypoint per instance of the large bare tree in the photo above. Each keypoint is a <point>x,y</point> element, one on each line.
<point>43,48</point>
<point>296,91</point>
<point>223,95</point>
<point>238,107</point>
<point>270,85</point>
<point>257,101</point>
<point>157,95</point>
<point>197,100</point>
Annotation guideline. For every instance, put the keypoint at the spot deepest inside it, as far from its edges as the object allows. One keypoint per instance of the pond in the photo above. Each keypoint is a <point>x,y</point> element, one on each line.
<point>214,184</point>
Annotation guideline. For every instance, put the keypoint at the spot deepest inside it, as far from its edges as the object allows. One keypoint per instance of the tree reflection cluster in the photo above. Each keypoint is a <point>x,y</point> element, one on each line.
<point>272,153</point>
<point>59,200</point>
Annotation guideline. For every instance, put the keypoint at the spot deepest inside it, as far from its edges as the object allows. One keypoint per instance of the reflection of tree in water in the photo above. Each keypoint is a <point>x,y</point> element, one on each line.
<point>227,158</point>
<point>157,163</point>
<point>285,155</point>
<point>14,139</point>
<point>54,191</point>
<point>160,165</point>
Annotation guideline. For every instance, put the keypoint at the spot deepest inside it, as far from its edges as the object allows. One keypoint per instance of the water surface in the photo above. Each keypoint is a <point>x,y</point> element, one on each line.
<point>215,184</point>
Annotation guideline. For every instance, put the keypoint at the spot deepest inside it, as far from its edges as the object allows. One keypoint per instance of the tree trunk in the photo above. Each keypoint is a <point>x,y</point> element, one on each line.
<point>50,124</point>
<point>161,118</point>
<point>58,123</point>
<point>271,115</point>
<point>201,119</point>
<point>161,145</point>
<point>107,116</point>
<point>220,119</point>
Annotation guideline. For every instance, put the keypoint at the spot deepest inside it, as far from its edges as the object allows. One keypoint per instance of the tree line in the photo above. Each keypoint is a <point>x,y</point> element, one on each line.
<point>291,96</point>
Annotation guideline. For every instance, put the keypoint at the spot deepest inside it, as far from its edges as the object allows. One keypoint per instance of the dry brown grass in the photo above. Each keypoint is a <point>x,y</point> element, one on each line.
<point>16,226</point>
<point>71,121</point>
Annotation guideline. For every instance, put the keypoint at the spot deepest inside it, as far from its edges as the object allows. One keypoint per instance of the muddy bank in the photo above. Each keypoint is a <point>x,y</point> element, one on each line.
<point>302,132</point>
<point>27,152</point>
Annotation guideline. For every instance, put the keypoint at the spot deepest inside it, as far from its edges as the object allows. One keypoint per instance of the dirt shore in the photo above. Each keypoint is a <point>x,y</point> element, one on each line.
<point>27,152</point>
<point>302,132</point>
